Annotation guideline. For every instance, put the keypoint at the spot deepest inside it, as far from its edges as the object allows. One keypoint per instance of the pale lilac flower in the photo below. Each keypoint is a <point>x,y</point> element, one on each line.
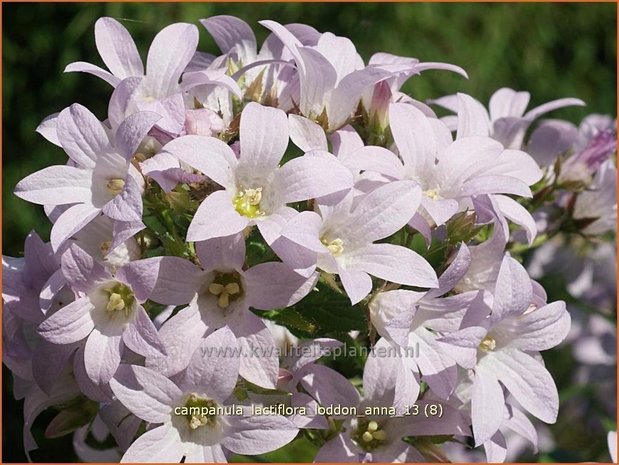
<point>221,294</point>
<point>378,438</point>
<point>597,205</point>
<point>504,348</point>
<point>256,189</point>
<point>331,76</point>
<point>506,120</point>
<point>342,238</point>
<point>100,178</point>
<point>107,312</point>
<point>416,320</point>
<point>196,435</point>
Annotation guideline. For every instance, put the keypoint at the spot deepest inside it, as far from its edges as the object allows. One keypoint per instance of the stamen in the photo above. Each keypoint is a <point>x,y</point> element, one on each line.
<point>335,247</point>
<point>488,344</point>
<point>226,287</point>
<point>247,202</point>
<point>115,186</point>
<point>432,194</point>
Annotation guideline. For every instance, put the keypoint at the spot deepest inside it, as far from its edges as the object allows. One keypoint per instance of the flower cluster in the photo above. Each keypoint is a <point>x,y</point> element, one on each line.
<point>237,219</point>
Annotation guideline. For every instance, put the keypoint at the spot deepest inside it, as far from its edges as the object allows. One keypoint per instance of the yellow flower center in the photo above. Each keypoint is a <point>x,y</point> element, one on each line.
<point>120,299</point>
<point>115,186</point>
<point>197,411</point>
<point>432,194</point>
<point>247,202</point>
<point>335,247</point>
<point>226,287</point>
<point>369,435</point>
<point>488,344</point>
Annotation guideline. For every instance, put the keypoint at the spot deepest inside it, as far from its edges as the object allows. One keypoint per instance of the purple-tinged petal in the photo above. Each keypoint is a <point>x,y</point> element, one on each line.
<point>147,394</point>
<point>276,285</point>
<point>49,362</point>
<point>357,285</point>
<point>181,336</point>
<point>376,159</point>
<point>515,212</point>
<point>206,454</point>
<point>141,335</point>
<point>214,366</point>
<point>306,134</point>
<point>495,184</point>
<point>47,128</point>
<point>83,67</point>
<point>216,217</point>
<point>232,34</point>
<point>384,210</point>
<point>551,106</point>
<point>340,449</point>
<point>513,293</point>
<point>222,253</point>
<point>159,445</point>
<point>102,356</point>
<point>527,380</point>
<point>454,272</point>
<point>413,136</point>
<point>259,358</point>
<point>170,52</point>
<point>473,119</point>
<point>264,136</point>
<point>437,368</point>
<point>304,229</point>
<point>122,101</point>
<point>313,176</point>
<point>82,135</point>
<point>132,132</point>
<point>141,275</point>
<point>70,222</point>
<point>81,270</point>
<point>345,140</point>
<point>507,102</point>
<point>117,49</point>
<point>393,263</point>
<point>542,328</point>
<point>520,424</point>
<point>71,323</point>
<point>211,156</point>
<point>177,283</point>
<point>258,434</point>
<point>487,405</point>
<point>496,448</point>
<point>56,185</point>
<point>126,206</point>
<point>327,386</point>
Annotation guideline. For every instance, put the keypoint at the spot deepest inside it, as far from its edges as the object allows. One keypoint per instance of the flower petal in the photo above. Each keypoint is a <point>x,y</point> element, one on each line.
<point>56,185</point>
<point>159,445</point>
<point>71,323</point>
<point>211,156</point>
<point>276,285</point>
<point>258,434</point>
<point>145,393</point>
<point>82,135</point>
<point>216,217</point>
<point>214,365</point>
<point>487,405</point>
<point>393,263</point>
<point>102,356</point>
<point>264,136</point>
<point>170,52</point>
<point>117,49</point>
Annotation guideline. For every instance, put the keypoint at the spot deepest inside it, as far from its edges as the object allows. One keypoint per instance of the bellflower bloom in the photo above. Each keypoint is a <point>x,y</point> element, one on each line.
<point>100,178</point>
<point>188,410</point>
<point>221,294</point>
<point>256,189</point>
<point>108,312</point>
<point>342,239</point>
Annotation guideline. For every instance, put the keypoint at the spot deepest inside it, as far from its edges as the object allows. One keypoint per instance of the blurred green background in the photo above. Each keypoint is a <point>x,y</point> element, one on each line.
<point>551,50</point>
